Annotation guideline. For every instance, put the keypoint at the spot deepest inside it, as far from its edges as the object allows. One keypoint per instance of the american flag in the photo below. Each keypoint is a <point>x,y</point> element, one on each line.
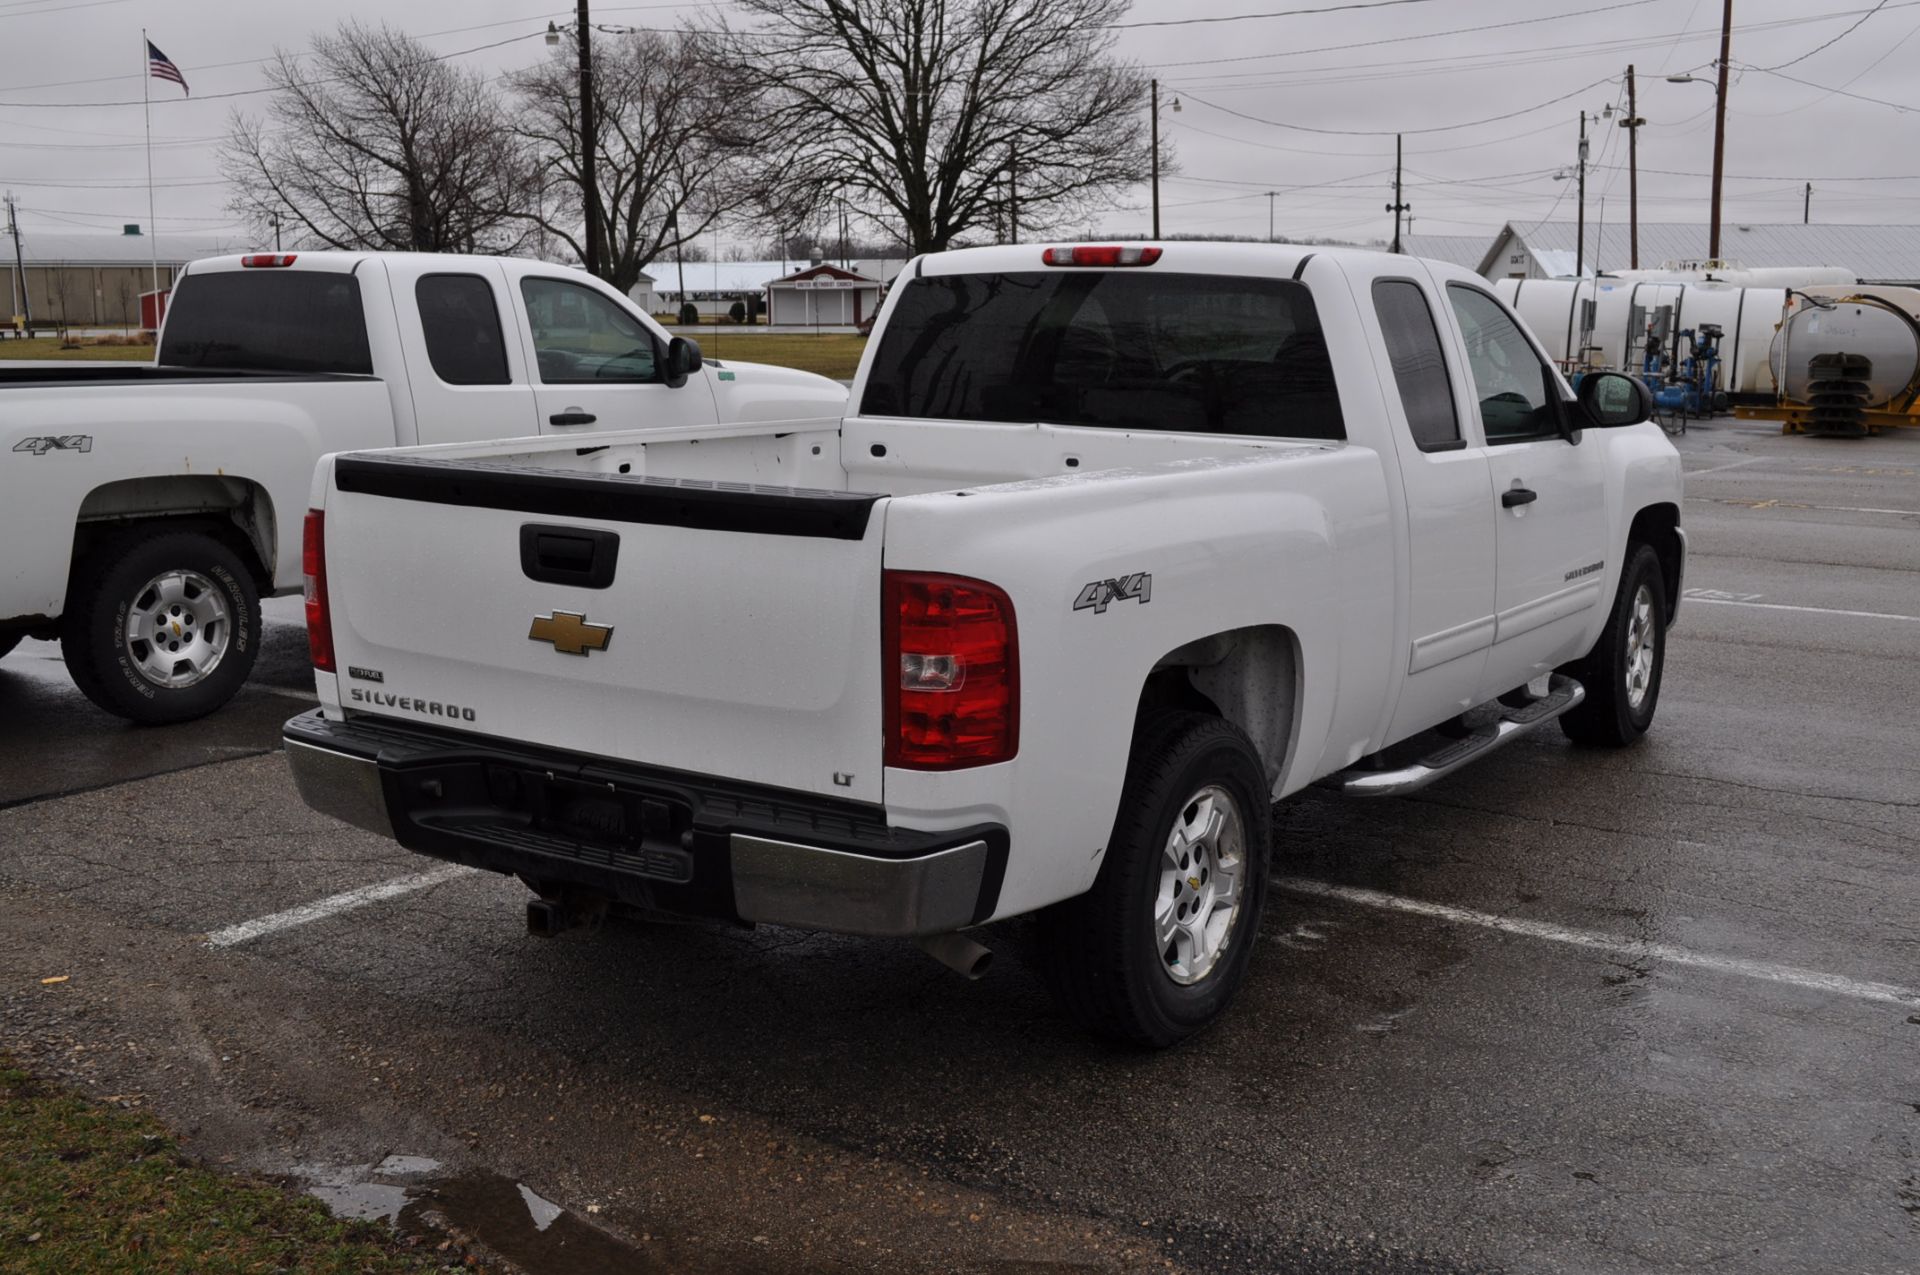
<point>161,67</point>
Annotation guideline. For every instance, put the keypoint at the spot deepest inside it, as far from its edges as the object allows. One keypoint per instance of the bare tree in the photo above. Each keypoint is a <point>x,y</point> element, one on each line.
<point>670,164</point>
<point>950,114</point>
<point>373,142</point>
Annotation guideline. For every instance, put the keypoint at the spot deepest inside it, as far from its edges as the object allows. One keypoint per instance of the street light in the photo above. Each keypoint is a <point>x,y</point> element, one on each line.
<point>1156,153</point>
<point>1719,117</point>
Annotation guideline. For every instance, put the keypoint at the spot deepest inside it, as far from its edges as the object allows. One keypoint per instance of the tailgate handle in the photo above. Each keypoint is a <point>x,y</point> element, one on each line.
<point>579,556</point>
<point>573,416</point>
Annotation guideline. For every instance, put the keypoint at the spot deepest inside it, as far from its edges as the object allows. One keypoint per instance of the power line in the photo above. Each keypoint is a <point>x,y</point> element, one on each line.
<point>1829,44</point>
<point>1389,132</point>
<point>272,88</point>
<point>1281,13</point>
<point>1902,107</point>
<point>1402,39</point>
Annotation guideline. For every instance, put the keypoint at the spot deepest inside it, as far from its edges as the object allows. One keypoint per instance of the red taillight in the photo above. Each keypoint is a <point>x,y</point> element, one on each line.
<point>313,565</point>
<point>268,259</point>
<point>953,672</point>
<point>1101,255</point>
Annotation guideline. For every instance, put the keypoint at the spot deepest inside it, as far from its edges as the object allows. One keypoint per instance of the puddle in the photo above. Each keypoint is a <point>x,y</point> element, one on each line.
<point>405,1166</point>
<point>537,1234</point>
<point>363,1201</point>
<point>503,1215</point>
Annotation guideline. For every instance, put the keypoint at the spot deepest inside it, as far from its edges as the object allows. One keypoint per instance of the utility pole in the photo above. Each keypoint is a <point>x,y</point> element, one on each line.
<point>1720,124</point>
<point>1013,201</point>
<point>1155,160</point>
<point>1580,252</point>
<point>23,300</point>
<point>589,146</point>
<point>274,217</point>
<point>1806,208</point>
<point>1270,195</point>
<point>1398,206</point>
<point>1632,124</point>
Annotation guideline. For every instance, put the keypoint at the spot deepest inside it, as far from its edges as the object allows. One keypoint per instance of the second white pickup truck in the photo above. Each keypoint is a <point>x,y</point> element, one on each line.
<point>1123,544</point>
<point>144,510</point>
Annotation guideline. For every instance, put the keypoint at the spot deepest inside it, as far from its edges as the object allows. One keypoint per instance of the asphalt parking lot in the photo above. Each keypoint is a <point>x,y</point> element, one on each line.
<point>1566,1011</point>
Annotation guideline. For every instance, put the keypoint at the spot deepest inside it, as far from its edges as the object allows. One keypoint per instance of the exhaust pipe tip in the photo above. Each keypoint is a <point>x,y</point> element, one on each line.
<point>957,952</point>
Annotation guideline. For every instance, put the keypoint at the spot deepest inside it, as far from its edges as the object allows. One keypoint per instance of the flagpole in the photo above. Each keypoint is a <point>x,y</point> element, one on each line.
<point>153,230</point>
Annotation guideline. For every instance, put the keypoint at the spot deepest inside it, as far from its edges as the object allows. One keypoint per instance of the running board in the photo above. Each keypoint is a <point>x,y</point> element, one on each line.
<point>1563,694</point>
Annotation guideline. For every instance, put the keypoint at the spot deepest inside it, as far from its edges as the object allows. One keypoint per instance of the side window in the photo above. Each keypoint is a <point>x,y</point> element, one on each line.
<point>581,337</point>
<point>1513,386</point>
<point>462,328</point>
<point>1419,364</point>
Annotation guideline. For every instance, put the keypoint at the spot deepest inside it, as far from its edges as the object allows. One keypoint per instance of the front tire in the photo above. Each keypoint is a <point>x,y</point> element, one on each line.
<point>161,626</point>
<point>1622,672</point>
<point>1155,951</point>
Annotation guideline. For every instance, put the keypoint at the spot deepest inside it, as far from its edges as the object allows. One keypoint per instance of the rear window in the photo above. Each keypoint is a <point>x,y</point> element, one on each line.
<point>461,324</point>
<point>268,321</point>
<point>1133,350</point>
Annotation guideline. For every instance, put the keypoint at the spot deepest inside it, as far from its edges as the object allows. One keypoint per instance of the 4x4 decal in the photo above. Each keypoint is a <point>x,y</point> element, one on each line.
<point>55,443</point>
<point>1137,587</point>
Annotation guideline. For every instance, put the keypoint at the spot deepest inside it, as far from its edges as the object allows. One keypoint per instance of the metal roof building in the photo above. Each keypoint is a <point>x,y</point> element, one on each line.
<point>1465,251</point>
<point>81,279</point>
<point>1877,254</point>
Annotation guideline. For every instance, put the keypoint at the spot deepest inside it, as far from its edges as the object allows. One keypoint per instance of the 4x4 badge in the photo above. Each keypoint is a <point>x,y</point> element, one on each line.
<point>570,633</point>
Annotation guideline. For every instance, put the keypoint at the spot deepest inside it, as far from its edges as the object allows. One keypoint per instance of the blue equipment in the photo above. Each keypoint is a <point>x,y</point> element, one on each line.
<point>1686,387</point>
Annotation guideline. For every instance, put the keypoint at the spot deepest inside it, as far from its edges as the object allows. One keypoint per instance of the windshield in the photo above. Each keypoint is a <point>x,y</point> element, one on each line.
<point>267,320</point>
<point>1114,349</point>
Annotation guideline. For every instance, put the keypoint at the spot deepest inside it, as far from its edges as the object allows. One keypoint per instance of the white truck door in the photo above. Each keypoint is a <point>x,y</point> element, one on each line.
<point>1444,474</point>
<point>1549,505</point>
<point>469,381</point>
<point>599,366</point>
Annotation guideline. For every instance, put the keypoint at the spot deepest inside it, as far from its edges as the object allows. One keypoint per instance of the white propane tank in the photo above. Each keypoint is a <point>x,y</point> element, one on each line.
<point>1869,326</point>
<point>1622,308</point>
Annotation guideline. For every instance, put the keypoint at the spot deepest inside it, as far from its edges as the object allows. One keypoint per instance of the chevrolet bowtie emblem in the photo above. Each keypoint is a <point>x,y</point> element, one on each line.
<point>570,633</point>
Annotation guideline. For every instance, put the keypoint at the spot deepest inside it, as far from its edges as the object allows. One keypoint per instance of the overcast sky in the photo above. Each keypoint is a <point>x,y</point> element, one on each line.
<point>1251,91</point>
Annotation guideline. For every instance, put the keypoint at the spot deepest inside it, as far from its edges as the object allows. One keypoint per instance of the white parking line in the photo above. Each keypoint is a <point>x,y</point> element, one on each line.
<point>1781,606</point>
<point>1751,460</point>
<point>1639,949</point>
<point>333,905</point>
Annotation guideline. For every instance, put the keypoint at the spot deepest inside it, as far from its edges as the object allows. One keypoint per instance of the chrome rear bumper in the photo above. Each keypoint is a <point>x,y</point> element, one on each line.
<point>687,847</point>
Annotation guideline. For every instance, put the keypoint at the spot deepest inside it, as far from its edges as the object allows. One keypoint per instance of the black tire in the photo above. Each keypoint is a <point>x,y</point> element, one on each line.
<point>7,642</point>
<point>1101,951</point>
<point>1611,716</point>
<point>111,581</point>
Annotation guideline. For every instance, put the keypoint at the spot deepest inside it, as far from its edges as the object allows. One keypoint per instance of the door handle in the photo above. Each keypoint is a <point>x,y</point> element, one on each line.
<point>1516,496</point>
<point>573,416</point>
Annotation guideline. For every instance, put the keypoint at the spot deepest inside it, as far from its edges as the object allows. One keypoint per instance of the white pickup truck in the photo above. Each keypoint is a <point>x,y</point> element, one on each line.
<point>144,509</point>
<point>1123,544</point>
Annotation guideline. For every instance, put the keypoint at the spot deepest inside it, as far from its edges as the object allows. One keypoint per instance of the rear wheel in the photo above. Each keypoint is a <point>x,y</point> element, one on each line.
<point>1155,951</point>
<point>1622,672</point>
<point>161,626</point>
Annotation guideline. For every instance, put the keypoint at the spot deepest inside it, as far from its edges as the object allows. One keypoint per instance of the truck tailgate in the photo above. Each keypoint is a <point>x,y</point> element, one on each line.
<point>736,633</point>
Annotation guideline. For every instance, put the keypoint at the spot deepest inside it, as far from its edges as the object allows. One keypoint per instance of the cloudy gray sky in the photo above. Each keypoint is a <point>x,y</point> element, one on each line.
<point>1304,106</point>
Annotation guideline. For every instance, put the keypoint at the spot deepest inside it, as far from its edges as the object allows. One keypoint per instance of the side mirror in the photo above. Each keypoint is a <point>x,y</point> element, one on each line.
<point>1608,399</point>
<point>683,360</point>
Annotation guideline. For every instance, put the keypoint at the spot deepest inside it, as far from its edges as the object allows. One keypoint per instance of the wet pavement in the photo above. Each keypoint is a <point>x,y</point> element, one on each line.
<point>1568,1011</point>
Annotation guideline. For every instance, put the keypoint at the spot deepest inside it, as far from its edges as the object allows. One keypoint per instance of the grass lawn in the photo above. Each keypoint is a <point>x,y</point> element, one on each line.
<point>88,1187</point>
<point>834,354</point>
<point>46,347</point>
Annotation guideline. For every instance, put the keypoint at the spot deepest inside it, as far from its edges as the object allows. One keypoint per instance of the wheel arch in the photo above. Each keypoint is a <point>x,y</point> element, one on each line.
<point>238,510</point>
<point>1658,526</point>
<point>1248,676</point>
